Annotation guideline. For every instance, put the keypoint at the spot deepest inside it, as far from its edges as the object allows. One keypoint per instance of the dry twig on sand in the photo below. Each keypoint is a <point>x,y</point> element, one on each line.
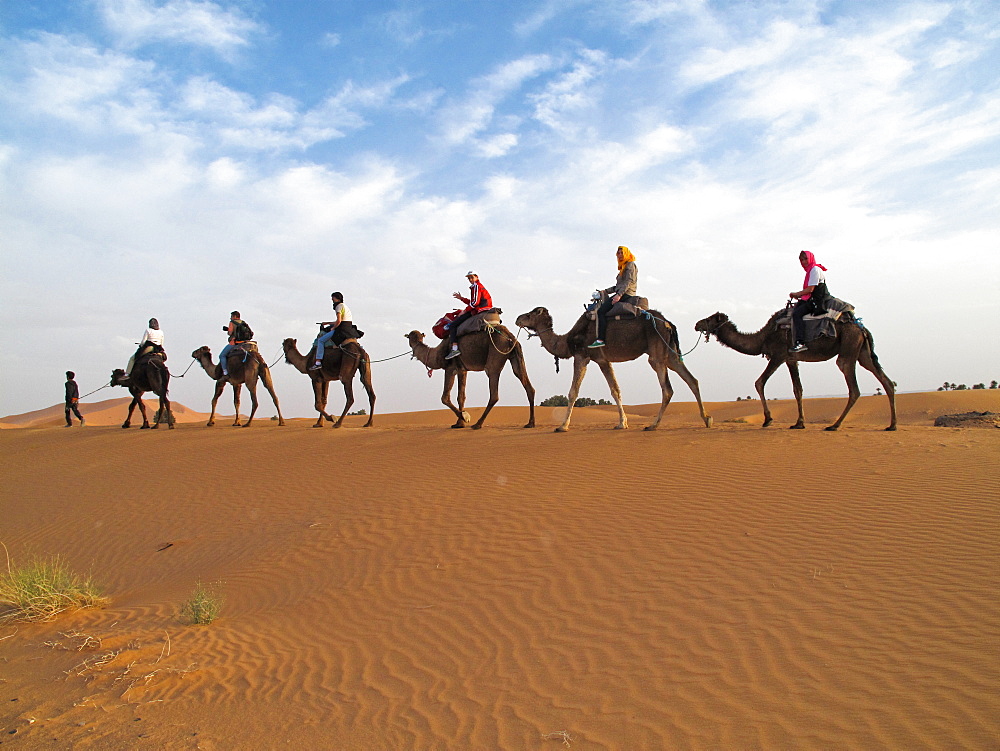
<point>558,735</point>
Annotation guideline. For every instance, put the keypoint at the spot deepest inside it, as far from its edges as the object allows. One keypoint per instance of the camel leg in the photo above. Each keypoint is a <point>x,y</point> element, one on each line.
<point>142,411</point>
<point>131,409</point>
<point>616,393</point>
<point>666,390</point>
<point>265,377</point>
<point>868,364</point>
<point>320,388</point>
<point>677,365</point>
<point>521,371</point>
<point>847,367</point>
<point>366,381</point>
<point>494,376</point>
<point>220,386</point>
<point>348,381</point>
<point>165,410</point>
<point>579,371</point>
<point>252,388</point>
<point>793,371</point>
<point>772,365</point>
<point>449,382</point>
<point>237,387</point>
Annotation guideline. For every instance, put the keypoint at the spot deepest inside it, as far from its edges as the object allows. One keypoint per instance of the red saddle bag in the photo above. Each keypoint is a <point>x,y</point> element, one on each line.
<point>440,328</point>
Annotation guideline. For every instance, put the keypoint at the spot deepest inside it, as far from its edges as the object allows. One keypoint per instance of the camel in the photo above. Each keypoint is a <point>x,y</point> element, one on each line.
<point>853,344</point>
<point>339,364</point>
<point>239,373</point>
<point>480,351</point>
<point>148,374</point>
<point>626,340</point>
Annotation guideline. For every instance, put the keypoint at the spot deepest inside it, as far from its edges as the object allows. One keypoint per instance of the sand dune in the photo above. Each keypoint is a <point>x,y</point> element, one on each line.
<point>414,587</point>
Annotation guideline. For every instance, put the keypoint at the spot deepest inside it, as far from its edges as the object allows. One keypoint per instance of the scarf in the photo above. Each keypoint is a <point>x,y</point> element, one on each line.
<point>627,257</point>
<point>810,265</point>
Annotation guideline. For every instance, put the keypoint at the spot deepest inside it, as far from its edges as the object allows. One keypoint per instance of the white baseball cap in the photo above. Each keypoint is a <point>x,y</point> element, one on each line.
<point>472,273</point>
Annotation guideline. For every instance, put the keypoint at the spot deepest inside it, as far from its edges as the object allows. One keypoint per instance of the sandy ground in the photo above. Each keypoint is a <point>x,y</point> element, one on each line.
<point>414,587</point>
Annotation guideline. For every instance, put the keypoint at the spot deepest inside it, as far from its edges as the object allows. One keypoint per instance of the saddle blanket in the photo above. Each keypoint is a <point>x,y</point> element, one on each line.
<point>480,321</point>
<point>819,324</point>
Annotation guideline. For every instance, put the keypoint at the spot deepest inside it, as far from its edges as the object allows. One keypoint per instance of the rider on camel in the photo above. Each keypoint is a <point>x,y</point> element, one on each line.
<point>478,300</point>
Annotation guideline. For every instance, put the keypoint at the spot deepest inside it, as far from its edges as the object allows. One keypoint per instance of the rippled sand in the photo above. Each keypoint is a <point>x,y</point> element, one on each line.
<point>414,587</point>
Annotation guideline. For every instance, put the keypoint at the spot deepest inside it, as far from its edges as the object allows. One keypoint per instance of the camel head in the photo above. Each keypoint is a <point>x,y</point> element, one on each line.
<point>288,346</point>
<point>201,352</point>
<point>414,338</point>
<point>536,319</point>
<point>116,377</point>
<point>710,325</point>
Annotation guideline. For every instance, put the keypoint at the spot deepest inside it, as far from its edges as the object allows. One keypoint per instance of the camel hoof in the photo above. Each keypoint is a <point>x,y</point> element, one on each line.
<point>831,428</point>
<point>709,422</point>
<point>477,426</point>
<point>560,430</point>
<point>126,426</point>
<point>328,418</point>
<point>144,427</point>
<point>651,427</point>
<point>466,417</point>
<point>797,426</point>
<point>766,422</point>
<point>281,423</point>
<point>459,425</point>
<point>530,425</point>
<point>621,427</point>
<point>891,428</point>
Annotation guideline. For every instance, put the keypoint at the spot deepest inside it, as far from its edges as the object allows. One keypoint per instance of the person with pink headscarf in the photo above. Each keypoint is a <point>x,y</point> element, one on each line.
<point>810,298</point>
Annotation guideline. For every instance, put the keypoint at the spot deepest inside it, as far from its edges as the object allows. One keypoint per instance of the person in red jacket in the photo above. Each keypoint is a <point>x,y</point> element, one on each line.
<point>478,300</point>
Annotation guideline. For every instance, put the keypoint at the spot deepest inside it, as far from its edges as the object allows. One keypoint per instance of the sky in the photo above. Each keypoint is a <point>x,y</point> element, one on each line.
<point>180,159</point>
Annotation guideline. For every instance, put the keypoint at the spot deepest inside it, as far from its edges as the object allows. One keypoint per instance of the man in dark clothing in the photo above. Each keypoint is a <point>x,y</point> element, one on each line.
<point>72,397</point>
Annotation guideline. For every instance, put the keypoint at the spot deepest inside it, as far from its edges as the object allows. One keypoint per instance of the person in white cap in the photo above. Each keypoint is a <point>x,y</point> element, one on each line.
<point>478,300</point>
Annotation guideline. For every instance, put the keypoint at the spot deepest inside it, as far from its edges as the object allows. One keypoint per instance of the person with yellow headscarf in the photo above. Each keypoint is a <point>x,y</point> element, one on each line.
<point>624,289</point>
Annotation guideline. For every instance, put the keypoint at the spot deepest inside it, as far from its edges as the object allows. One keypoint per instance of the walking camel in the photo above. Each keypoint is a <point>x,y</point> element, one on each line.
<point>626,340</point>
<point>240,373</point>
<point>339,364</point>
<point>852,345</point>
<point>148,374</point>
<point>480,352</point>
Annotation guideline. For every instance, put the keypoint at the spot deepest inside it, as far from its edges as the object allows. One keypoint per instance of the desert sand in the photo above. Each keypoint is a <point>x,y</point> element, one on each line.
<point>409,586</point>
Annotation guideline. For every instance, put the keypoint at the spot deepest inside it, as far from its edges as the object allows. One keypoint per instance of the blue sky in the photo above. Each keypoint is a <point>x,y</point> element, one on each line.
<point>180,159</point>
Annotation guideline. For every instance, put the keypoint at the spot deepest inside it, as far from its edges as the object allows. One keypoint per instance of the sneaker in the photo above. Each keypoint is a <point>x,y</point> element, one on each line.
<point>453,354</point>
<point>799,347</point>
<point>316,366</point>
<point>595,344</point>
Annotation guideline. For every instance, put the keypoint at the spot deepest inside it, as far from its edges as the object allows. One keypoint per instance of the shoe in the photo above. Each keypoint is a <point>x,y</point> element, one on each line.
<point>799,347</point>
<point>68,425</point>
<point>453,354</point>
<point>595,344</point>
<point>316,366</point>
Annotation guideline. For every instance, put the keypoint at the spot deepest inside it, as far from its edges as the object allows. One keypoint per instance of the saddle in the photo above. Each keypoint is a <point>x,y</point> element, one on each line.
<point>147,353</point>
<point>244,351</point>
<point>819,324</point>
<point>626,308</point>
<point>481,321</point>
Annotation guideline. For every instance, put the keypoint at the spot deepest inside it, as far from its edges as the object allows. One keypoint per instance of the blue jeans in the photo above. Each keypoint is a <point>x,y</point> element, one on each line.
<point>224,357</point>
<point>321,343</point>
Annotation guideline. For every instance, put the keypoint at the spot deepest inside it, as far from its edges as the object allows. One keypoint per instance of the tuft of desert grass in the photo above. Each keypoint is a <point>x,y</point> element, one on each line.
<point>43,589</point>
<point>203,607</point>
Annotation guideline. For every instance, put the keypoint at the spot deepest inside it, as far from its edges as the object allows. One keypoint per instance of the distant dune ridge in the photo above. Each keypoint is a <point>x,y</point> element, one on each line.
<point>409,586</point>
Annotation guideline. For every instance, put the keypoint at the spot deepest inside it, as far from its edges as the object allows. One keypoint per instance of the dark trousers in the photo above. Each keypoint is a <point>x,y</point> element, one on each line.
<point>801,310</point>
<point>453,329</point>
<point>602,321</point>
<point>71,407</point>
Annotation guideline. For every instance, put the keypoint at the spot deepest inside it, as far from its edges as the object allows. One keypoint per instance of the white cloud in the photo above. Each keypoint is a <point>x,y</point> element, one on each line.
<point>191,22</point>
<point>462,120</point>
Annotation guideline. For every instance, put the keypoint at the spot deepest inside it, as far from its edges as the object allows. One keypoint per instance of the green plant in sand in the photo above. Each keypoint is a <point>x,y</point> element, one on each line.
<point>42,589</point>
<point>203,607</point>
